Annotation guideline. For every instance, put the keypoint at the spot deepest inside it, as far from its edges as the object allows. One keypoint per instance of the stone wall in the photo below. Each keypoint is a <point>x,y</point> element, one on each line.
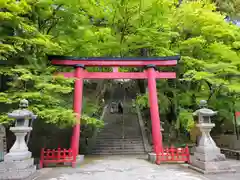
<point>3,145</point>
<point>48,136</point>
<point>228,141</point>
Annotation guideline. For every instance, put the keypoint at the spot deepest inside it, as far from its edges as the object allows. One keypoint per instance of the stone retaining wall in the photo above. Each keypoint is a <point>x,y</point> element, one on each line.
<point>229,141</point>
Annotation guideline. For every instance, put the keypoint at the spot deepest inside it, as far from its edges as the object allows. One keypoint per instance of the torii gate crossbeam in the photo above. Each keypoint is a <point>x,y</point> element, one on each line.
<point>119,75</point>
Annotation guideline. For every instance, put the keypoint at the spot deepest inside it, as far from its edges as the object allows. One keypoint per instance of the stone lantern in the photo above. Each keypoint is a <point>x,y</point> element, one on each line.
<point>207,156</point>
<point>204,122</point>
<point>22,116</point>
<point>18,163</point>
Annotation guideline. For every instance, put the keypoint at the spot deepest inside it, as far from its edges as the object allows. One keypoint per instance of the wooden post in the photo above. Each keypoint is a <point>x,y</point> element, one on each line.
<point>153,102</point>
<point>77,107</point>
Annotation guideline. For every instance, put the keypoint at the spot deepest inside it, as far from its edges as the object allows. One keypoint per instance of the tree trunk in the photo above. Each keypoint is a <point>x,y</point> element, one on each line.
<point>141,86</point>
<point>141,83</point>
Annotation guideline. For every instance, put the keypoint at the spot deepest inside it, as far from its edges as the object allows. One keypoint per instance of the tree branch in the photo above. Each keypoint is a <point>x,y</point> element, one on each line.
<point>53,25</point>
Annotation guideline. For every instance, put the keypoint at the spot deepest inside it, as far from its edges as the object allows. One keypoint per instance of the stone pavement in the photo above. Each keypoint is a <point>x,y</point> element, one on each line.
<point>130,168</point>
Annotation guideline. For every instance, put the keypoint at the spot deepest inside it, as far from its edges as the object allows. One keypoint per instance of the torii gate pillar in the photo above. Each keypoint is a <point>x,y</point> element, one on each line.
<point>77,107</point>
<point>154,111</point>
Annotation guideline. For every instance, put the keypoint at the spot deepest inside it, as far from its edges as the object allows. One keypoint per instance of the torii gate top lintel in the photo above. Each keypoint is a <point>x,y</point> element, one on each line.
<point>113,61</point>
<point>147,62</point>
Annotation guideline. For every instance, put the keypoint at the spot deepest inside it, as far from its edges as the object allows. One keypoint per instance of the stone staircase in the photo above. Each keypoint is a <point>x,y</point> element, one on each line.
<point>121,135</point>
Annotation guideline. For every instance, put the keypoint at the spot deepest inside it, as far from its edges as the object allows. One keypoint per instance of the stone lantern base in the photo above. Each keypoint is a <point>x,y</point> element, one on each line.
<point>211,167</point>
<point>207,157</point>
<point>18,164</point>
<point>17,170</point>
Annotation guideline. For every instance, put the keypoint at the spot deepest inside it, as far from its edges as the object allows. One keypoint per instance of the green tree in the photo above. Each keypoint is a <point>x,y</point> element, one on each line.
<point>210,54</point>
<point>196,30</point>
<point>209,67</point>
<point>28,33</point>
<point>209,46</point>
<point>230,7</point>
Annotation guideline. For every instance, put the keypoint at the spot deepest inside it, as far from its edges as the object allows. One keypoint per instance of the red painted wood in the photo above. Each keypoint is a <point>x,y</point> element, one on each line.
<point>237,114</point>
<point>149,74</point>
<point>115,69</point>
<point>77,108</point>
<point>114,63</point>
<point>154,112</point>
<point>173,154</point>
<point>56,156</point>
<point>120,75</point>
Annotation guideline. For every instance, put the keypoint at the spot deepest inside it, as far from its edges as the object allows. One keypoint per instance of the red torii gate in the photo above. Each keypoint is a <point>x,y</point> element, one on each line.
<point>149,73</point>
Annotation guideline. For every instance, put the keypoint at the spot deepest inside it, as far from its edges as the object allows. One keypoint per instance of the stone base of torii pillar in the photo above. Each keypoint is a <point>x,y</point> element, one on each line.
<point>152,157</point>
<point>207,157</point>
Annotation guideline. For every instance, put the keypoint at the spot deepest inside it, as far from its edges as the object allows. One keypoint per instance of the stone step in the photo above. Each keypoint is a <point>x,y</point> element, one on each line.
<point>119,137</point>
<point>119,148</point>
<point>118,152</point>
<point>119,140</point>
<point>109,127</point>
<point>135,146</point>
<point>127,130</point>
<point>114,120</point>
<point>109,140</point>
<point>113,117</point>
<point>114,137</point>
<point>119,133</point>
<point>120,123</point>
<point>132,138</point>
<point>111,132</point>
<point>128,144</point>
<point>110,135</point>
<point>115,131</point>
<point>119,127</point>
<point>119,144</point>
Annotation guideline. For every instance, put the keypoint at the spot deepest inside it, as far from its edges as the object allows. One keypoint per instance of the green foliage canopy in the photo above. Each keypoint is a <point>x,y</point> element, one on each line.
<point>209,46</point>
